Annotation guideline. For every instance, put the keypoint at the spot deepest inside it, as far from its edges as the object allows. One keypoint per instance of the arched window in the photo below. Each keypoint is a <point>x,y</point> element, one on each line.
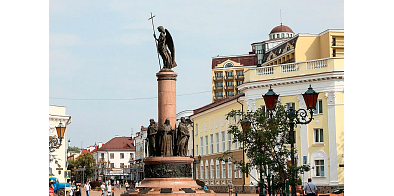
<point>229,64</point>
<point>230,169</point>
<point>206,170</point>
<point>202,170</point>
<point>212,169</point>
<point>223,170</point>
<point>217,169</point>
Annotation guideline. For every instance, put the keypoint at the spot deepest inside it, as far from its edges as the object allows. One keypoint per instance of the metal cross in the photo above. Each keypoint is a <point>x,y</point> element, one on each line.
<point>154,34</point>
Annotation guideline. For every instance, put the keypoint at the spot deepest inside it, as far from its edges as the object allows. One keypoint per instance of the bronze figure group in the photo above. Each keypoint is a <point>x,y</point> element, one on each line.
<point>166,141</point>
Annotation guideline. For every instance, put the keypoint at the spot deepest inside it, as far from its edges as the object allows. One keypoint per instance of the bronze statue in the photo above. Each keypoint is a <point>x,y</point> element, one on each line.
<point>152,132</point>
<point>183,138</point>
<point>166,141</point>
<point>164,41</point>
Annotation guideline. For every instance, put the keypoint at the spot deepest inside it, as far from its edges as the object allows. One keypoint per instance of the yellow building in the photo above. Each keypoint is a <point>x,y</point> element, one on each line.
<point>290,63</point>
<point>290,67</point>
<point>211,139</point>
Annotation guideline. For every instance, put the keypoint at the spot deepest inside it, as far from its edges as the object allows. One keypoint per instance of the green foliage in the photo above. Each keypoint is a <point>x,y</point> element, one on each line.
<point>85,159</point>
<point>266,142</point>
<point>74,149</point>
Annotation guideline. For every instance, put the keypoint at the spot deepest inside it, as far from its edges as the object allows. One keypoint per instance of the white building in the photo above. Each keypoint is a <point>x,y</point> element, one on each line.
<point>57,114</point>
<point>118,152</point>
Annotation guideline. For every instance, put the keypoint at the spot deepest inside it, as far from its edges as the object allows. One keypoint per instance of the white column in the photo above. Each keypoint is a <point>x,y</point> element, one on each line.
<point>303,140</point>
<point>251,105</point>
<point>332,138</point>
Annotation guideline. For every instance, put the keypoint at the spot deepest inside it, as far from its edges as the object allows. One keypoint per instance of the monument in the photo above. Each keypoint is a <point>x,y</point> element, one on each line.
<point>167,168</point>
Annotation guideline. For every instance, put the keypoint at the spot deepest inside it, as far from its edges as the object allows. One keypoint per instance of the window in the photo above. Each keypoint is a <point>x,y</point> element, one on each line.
<point>230,93</point>
<point>206,171</point>
<point>196,129</point>
<point>277,35</point>
<point>229,64</point>
<point>333,53</point>
<point>111,155</point>
<point>283,35</point>
<point>219,74</point>
<point>271,56</point>
<point>230,170</point>
<point>223,170</point>
<point>131,156</point>
<point>318,135</point>
<point>287,35</point>
<point>230,83</point>
<point>288,48</point>
<point>219,94</point>
<point>239,82</point>
<point>319,165</point>
<point>206,144</point>
<point>219,84</point>
<point>212,169</point>
<point>201,145</point>
<point>112,165</point>
<point>223,142</point>
<point>228,141</point>
<point>121,165</point>
<point>211,136</point>
<point>121,155</point>
<point>229,74</point>
<point>236,171</point>
<point>319,107</point>
<point>217,170</point>
<point>290,105</point>
<point>102,155</point>
<point>197,150</point>
<point>202,170</point>
<point>217,141</point>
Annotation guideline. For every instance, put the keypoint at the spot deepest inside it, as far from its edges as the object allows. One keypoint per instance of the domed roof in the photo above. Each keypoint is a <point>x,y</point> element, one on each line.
<point>281,28</point>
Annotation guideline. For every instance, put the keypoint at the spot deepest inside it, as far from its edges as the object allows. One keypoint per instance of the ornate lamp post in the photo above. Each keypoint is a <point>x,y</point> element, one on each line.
<point>299,116</point>
<point>56,142</point>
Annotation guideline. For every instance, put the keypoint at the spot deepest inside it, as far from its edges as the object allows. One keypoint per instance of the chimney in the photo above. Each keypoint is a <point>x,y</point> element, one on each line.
<point>100,144</point>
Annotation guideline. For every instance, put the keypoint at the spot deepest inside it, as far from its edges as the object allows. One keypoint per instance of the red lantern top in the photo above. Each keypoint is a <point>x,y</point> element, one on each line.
<point>310,97</point>
<point>270,99</point>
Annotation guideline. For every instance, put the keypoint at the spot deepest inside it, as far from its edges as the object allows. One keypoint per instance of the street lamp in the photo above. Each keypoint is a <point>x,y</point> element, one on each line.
<point>299,116</point>
<point>56,142</point>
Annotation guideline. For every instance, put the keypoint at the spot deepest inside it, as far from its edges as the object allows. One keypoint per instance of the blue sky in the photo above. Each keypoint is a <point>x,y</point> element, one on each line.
<point>105,50</point>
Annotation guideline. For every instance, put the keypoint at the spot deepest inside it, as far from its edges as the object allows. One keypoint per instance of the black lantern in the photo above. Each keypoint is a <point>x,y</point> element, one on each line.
<point>310,97</point>
<point>60,130</point>
<point>270,99</point>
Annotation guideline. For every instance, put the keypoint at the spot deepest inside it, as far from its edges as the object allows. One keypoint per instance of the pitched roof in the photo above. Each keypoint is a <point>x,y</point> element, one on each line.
<point>216,103</point>
<point>119,144</point>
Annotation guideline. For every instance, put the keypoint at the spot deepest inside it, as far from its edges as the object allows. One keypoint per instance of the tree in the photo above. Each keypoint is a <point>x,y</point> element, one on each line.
<point>83,160</point>
<point>73,149</point>
<point>266,142</point>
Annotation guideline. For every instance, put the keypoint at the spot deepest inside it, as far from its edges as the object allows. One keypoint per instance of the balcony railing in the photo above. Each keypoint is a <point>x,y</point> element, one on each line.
<point>218,78</point>
<point>229,78</point>
<point>295,69</point>
<point>215,88</point>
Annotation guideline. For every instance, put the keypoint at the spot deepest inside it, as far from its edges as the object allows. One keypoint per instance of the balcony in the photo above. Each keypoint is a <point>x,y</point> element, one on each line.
<point>240,77</point>
<point>217,88</point>
<point>229,87</point>
<point>295,69</point>
<point>220,78</point>
<point>229,78</point>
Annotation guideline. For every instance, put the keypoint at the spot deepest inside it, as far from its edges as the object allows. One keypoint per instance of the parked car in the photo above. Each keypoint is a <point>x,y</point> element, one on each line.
<point>59,188</point>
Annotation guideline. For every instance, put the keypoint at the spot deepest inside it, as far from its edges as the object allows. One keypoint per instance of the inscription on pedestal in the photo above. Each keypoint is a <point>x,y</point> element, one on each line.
<point>168,171</point>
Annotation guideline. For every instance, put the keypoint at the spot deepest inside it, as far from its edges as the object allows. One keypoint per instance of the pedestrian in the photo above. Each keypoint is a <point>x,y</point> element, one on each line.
<point>77,192</point>
<point>117,183</point>
<point>126,185</point>
<point>103,189</point>
<point>230,188</point>
<point>87,188</point>
<point>310,189</point>
<point>109,189</point>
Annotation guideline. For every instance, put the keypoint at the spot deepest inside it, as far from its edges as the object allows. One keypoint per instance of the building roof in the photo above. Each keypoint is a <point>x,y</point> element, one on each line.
<point>281,28</point>
<point>217,103</point>
<point>119,144</point>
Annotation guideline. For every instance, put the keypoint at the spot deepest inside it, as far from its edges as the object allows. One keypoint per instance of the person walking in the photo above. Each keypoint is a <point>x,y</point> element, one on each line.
<point>230,188</point>
<point>87,188</point>
<point>109,189</point>
<point>126,184</point>
<point>103,189</point>
<point>77,191</point>
<point>310,189</point>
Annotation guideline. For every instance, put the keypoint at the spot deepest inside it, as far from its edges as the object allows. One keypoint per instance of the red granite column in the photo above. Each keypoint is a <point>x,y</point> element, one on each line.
<point>166,97</point>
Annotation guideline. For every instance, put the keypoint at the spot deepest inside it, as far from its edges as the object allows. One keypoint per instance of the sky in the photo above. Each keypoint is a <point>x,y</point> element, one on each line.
<point>101,52</point>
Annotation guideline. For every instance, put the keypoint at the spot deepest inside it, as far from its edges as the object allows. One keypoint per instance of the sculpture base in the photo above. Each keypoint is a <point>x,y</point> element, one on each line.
<point>171,174</point>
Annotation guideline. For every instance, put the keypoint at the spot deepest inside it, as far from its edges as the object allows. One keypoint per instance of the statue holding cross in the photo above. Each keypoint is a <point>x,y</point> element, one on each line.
<point>165,46</point>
